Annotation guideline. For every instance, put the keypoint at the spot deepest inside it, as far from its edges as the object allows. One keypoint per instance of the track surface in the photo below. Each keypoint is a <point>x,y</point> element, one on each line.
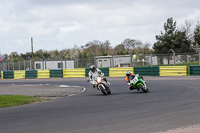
<point>171,103</point>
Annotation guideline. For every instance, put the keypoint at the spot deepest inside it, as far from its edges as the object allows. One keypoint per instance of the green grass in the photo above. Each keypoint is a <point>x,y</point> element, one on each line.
<point>14,100</point>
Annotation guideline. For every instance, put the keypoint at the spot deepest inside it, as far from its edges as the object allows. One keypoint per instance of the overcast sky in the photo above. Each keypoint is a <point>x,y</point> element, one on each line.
<point>61,24</point>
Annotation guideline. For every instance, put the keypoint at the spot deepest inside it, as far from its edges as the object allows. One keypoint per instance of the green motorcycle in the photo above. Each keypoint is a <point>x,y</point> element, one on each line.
<point>136,82</point>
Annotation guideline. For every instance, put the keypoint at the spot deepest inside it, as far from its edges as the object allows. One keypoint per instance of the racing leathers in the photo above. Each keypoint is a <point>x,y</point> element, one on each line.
<point>93,75</point>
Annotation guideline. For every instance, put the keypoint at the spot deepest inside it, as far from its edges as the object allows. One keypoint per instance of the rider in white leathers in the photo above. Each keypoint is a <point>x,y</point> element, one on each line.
<point>94,72</point>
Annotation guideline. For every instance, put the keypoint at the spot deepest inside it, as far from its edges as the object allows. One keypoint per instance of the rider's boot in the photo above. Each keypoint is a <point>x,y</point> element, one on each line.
<point>106,81</point>
<point>130,87</point>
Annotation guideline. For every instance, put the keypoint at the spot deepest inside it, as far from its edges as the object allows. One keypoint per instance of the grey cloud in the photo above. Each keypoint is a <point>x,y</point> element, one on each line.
<point>64,23</point>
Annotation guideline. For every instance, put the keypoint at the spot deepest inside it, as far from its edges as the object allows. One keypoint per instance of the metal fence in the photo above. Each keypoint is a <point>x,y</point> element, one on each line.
<point>19,65</point>
<point>107,61</point>
<point>147,59</point>
<point>172,58</point>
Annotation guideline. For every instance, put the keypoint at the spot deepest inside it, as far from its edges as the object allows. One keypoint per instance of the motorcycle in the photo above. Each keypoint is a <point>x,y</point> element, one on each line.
<point>136,82</point>
<point>101,85</point>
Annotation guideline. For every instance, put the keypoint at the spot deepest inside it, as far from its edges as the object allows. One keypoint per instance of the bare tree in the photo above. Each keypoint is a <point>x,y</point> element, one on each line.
<point>129,44</point>
<point>187,28</point>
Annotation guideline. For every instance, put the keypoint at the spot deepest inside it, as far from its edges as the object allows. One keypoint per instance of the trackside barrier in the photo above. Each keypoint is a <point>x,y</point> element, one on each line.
<point>173,70</point>
<point>119,71</point>
<point>43,74</point>
<point>68,73</point>
<point>147,71</point>
<point>87,70</point>
<point>8,74</point>
<point>104,70</point>
<point>194,70</point>
<point>110,72</point>
<point>1,74</point>
<point>19,74</point>
<point>31,74</point>
<point>57,73</point>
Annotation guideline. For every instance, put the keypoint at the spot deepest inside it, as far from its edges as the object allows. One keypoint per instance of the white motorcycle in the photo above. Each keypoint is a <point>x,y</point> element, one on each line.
<point>101,85</point>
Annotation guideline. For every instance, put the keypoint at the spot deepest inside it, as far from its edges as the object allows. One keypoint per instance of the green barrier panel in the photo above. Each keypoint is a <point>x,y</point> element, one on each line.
<point>8,74</point>
<point>87,70</point>
<point>1,74</point>
<point>56,73</point>
<point>104,70</point>
<point>31,74</point>
<point>194,70</point>
<point>147,71</point>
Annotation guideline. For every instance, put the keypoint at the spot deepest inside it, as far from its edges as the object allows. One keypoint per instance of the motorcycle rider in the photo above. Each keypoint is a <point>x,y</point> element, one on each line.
<point>128,75</point>
<point>94,72</point>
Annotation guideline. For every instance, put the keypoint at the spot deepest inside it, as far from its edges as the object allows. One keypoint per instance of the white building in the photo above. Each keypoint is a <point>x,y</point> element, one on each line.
<point>54,64</point>
<point>110,61</point>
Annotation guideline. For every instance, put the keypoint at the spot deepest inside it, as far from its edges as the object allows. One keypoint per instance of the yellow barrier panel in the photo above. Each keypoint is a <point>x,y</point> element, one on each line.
<point>43,74</point>
<point>19,74</point>
<point>70,73</point>
<point>119,71</point>
<point>1,74</point>
<point>173,70</point>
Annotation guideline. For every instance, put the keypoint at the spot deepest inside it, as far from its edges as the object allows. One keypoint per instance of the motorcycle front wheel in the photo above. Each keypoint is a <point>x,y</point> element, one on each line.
<point>108,90</point>
<point>102,88</point>
<point>142,88</point>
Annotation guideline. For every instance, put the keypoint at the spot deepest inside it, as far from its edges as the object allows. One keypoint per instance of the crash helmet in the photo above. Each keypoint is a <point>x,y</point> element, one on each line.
<point>93,68</point>
<point>128,73</point>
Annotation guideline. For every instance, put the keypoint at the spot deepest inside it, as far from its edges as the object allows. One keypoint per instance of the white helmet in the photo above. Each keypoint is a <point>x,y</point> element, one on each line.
<point>93,68</point>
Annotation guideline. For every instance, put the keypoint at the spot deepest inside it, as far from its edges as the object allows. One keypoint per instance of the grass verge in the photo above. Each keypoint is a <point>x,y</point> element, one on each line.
<point>15,100</point>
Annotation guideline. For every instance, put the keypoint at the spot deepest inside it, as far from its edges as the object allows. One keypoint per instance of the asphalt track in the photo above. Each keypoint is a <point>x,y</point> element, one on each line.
<point>172,102</point>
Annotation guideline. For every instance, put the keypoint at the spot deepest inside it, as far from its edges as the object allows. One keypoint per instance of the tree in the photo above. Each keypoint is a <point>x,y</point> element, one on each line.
<point>120,49</point>
<point>172,39</point>
<point>187,28</point>
<point>197,35</point>
<point>129,44</point>
<point>164,41</point>
<point>13,56</point>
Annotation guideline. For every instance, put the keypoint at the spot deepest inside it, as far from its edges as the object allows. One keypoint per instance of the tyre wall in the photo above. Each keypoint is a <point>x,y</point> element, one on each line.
<point>108,72</point>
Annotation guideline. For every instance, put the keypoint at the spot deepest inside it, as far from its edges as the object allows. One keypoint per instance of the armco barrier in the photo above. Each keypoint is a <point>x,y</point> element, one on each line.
<point>173,70</point>
<point>73,73</point>
<point>104,70</point>
<point>8,74</point>
<point>194,70</point>
<point>19,74</point>
<point>43,74</point>
<point>147,71</point>
<point>119,71</point>
<point>57,73</point>
<point>31,74</point>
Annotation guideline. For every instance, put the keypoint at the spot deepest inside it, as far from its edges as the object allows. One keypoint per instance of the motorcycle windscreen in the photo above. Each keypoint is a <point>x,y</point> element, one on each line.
<point>132,77</point>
